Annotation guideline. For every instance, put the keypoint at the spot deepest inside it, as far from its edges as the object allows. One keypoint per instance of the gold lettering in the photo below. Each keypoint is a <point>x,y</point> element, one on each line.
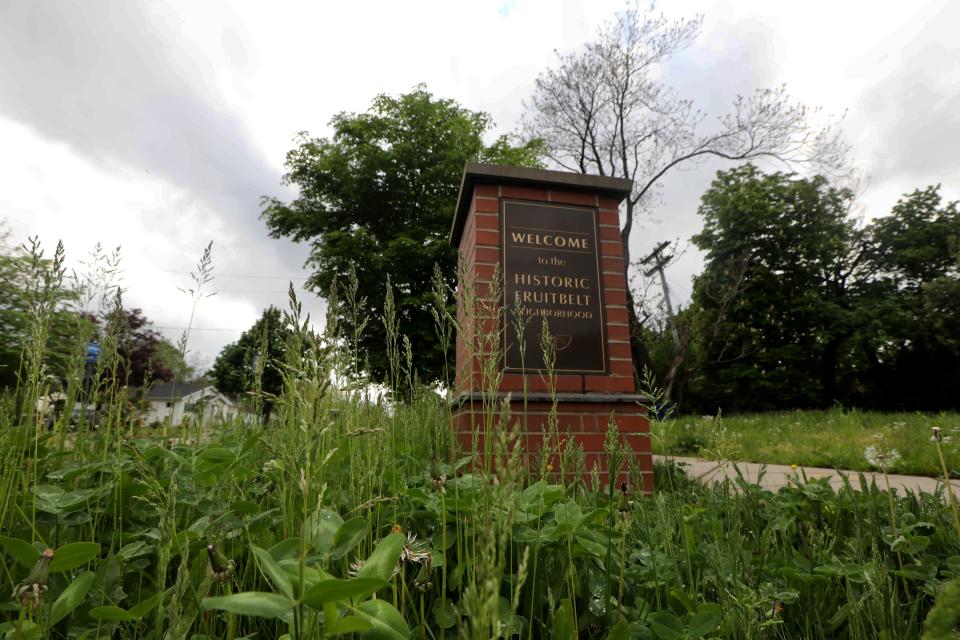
<point>558,241</point>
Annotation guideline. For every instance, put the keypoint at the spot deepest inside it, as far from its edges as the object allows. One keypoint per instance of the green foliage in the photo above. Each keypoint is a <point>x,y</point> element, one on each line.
<point>797,308</point>
<point>385,621</point>
<point>378,196</point>
<point>31,290</point>
<point>145,355</point>
<point>911,296</point>
<point>333,589</point>
<point>21,551</point>
<point>251,603</point>
<point>943,622</point>
<point>111,614</point>
<point>383,560</point>
<point>73,555</point>
<point>919,242</point>
<point>834,438</point>
<point>295,511</point>
<point>770,301</point>
<point>253,362</point>
<point>71,597</point>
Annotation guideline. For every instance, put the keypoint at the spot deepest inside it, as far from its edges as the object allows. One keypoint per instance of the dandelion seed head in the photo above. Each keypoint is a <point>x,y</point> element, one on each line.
<point>355,566</point>
<point>415,550</point>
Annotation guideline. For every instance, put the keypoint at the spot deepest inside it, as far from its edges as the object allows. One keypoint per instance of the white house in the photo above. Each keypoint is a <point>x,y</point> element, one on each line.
<point>169,401</point>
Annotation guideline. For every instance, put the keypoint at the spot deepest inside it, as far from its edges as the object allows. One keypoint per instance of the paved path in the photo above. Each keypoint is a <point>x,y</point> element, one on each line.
<point>779,475</point>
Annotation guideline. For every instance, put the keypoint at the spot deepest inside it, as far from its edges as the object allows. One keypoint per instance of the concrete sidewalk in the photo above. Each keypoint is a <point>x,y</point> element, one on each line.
<point>780,475</point>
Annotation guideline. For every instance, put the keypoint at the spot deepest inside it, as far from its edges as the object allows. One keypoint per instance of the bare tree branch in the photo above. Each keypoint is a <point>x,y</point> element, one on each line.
<point>605,109</point>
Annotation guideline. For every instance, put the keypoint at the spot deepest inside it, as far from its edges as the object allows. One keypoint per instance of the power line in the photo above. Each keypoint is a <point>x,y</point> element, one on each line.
<point>682,286</point>
<point>242,275</point>
<point>282,292</point>
<point>196,328</point>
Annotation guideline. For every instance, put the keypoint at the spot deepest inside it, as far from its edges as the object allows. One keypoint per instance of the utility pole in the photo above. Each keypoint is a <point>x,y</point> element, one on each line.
<point>660,262</point>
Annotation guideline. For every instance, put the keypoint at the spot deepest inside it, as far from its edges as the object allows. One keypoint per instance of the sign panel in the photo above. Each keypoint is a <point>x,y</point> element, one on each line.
<point>550,263</point>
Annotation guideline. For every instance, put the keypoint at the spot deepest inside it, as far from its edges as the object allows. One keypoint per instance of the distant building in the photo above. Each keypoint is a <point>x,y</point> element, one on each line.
<point>169,401</point>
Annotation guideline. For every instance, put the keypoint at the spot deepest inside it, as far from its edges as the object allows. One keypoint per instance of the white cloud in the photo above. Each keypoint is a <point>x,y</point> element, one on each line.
<point>157,126</point>
<point>161,229</point>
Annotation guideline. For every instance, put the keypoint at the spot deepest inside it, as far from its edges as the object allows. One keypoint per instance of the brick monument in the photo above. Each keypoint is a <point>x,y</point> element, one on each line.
<point>541,245</point>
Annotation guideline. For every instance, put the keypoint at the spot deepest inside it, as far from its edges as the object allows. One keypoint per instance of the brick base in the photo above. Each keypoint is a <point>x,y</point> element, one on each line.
<point>583,423</point>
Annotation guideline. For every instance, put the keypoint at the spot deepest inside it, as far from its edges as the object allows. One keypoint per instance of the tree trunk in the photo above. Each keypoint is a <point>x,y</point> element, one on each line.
<point>670,378</point>
<point>828,372</point>
<point>638,348</point>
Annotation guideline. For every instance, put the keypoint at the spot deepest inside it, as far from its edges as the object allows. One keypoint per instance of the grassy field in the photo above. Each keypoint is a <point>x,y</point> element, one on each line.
<point>341,516</point>
<point>840,439</point>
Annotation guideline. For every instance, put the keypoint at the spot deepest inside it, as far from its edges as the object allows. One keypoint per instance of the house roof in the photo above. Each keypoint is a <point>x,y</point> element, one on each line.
<point>170,390</point>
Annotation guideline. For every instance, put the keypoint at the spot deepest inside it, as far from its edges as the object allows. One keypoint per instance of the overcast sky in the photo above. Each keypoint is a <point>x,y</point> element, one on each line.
<point>157,126</point>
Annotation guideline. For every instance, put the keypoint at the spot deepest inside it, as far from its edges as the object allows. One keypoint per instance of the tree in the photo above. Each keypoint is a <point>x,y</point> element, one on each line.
<point>606,110</point>
<point>36,321</point>
<point>911,297</point>
<point>145,355</point>
<point>378,196</point>
<point>38,305</point>
<point>253,362</point>
<point>774,306</point>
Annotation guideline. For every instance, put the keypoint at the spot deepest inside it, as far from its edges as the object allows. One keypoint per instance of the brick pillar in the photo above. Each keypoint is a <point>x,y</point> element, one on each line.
<point>594,381</point>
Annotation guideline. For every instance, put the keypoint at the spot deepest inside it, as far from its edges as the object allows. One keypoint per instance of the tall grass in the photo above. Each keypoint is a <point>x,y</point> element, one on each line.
<point>351,513</point>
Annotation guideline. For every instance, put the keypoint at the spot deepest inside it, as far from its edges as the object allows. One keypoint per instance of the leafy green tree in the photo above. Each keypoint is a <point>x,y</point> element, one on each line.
<point>29,286</point>
<point>773,305</point>
<point>34,301</point>
<point>379,195</point>
<point>253,362</point>
<point>168,356</point>
<point>911,295</point>
<point>798,308</point>
<point>919,242</point>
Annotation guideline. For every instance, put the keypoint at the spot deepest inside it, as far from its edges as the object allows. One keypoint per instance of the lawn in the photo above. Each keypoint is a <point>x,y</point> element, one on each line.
<point>343,518</point>
<point>837,438</point>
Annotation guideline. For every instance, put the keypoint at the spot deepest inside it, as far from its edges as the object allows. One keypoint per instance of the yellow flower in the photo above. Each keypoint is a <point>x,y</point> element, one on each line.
<point>549,468</point>
<point>794,467</point>
<point>397,528</point>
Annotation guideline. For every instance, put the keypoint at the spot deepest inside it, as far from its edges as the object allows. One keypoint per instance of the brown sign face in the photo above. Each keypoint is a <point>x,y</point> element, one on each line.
<point>551,271</point>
